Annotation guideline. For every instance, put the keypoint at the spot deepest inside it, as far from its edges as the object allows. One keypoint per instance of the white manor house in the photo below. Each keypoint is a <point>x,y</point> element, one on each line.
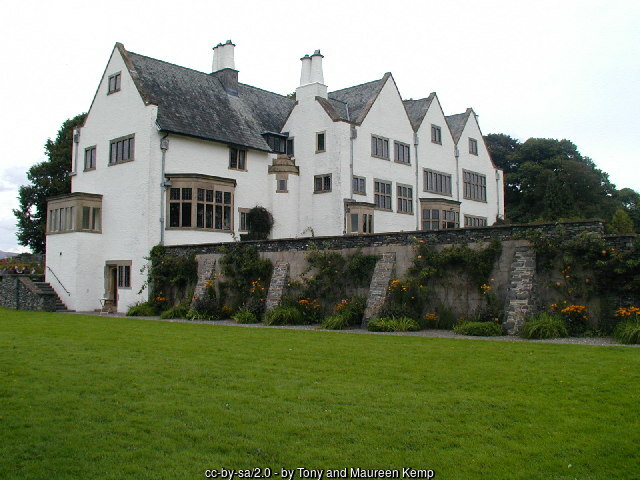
<point>170,155</point>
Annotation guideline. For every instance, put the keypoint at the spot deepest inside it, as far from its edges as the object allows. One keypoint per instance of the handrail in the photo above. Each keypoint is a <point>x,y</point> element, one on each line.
<point>54,274</point>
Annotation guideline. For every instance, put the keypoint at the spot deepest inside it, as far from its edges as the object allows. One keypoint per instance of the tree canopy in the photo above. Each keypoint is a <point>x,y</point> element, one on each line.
<point>550,180</point>
<point>46,179</point>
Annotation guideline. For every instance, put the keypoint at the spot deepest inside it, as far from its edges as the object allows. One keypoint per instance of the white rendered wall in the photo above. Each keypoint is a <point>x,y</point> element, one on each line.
<point>480,163</point>
<point>317,213</point>
<point>129,216</point>
<point>434,156</point>
<point>386,118</point>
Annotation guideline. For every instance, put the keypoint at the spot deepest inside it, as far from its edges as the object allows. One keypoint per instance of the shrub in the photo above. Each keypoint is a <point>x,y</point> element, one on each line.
<point>142,309</point>
<point>284,315</point>
<point>337,321</point>
<point>401,324</point>
<point>576,319</point>
<point>430,320</point>
<point>352,309</point>
<point>179,311</point>
<point>479,329</point>
<point>207,307</point>
<point>245,316</point>
<point>628,332</point>
<point>544,325</point>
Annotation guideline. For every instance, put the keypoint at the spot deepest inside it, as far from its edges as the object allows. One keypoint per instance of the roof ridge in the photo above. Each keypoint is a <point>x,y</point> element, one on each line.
<point>359,85</point>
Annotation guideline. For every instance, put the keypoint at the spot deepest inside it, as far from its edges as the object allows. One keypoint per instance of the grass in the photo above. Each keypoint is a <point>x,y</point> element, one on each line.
<point>98,397</point>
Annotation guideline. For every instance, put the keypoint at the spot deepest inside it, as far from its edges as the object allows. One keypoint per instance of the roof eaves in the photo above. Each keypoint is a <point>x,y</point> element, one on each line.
<point>212,139</point>
<point>134,73</point>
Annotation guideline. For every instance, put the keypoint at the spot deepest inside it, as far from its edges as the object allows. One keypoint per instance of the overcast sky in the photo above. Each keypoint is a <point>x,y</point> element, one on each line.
<point>554,69</point>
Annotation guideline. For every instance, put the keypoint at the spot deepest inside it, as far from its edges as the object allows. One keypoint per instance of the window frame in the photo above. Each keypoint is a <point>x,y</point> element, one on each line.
<point>117,77</point>
<point>282,178</point>
<point>358,180</point>
<point>323,135</point>
<point>242,212</point>
<point>364,219</point>
<point>204,209</point>
<point>469,220</point>
<point>379,195</point>
<point>93,150</point>
<point>473,146</point>
<point>474,190</point>
<point>404,200</point>
<point>131,146</point>
<point>436,134</point>
<point>435,173</point>
<point>65,213</point>
<point>323,183</point>
<point>447,218</point>
<point>240,152</point>
<point>385,147</point>
<point>397,146</point>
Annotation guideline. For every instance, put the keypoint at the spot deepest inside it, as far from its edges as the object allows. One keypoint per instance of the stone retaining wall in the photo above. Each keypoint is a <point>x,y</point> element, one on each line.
<point>18,292</point>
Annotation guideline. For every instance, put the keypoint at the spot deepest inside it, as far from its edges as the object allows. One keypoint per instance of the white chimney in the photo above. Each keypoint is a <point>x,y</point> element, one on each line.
<point>311,78</point>
<point>223,56</point>
<point>316,68</point>
<point>305,74</point>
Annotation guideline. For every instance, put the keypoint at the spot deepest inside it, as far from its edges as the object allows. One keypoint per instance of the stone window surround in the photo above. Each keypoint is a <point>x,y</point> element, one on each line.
<point>243,212</point>
<point>323,189</point>
<point>473,146</point>
<point>195,181</point>
<point>321,135</point>
<point>360,209</point>
<point>279,178</point>
<point>383,194</point>
<point>408,198</point>
<point>385,147</point>
<point>426,171</point>
<point>239,156</point>
<point>470,219</point>
<point>131,136</point>
<point>117,78</point>
<point>442,205</point>
<point>396,152</point>
<point>93,151</point>
<point>76,201</point>
<point>482,187</point>
<point>121,266</point>
<point>436,134</point>
<point>358,179</point>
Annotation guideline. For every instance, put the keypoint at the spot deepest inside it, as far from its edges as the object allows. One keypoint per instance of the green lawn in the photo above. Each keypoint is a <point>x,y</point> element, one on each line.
<point>95,397</point>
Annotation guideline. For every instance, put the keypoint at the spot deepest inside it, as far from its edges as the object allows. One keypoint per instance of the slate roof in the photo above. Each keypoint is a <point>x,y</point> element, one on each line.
<point>417,109</point>
<point>456,123</point>
<point>353,103</point>
<point>194,103</point>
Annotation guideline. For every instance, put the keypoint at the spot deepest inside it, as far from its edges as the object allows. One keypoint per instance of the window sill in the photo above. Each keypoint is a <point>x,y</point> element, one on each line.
<point>237,169</point>
<point>405,213</point>
<point>474,200</point>
<point>199,229</point>
<point>474,154</point>
<point>360,193</point>
<point>402,163</point>
<point>381,158</point>
<point>436,143</point>
<point>89,169</point>
<point>320,151</point>
<point>383,209</point>
<point>282,191</point>
<point>322,191</point>
<point>113,91</point>
<point>111,164</point>
<point>439,193</point>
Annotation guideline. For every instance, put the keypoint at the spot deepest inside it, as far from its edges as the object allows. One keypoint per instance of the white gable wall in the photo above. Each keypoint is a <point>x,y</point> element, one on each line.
<point>129,219</point>
<point>314,213</point>
<point>434,156</point>
<point>480,163</point>
<point>387,118</point>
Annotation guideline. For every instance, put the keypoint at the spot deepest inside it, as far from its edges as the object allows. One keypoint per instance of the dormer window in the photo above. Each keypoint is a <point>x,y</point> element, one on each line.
<point>279,142</point>
<point>114,83</point>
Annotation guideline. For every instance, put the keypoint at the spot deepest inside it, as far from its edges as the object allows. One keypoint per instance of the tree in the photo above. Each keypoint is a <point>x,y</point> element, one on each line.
<point>549,180</point>
<point>47,179</point>
<point>621,222</point>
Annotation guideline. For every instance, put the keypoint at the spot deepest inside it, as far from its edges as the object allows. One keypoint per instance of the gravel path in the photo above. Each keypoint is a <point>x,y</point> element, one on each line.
<point>595,341</point>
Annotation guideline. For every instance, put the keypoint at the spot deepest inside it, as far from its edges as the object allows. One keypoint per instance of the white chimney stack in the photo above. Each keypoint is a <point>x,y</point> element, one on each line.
<point>305,74</point>
<point>316,68</point>
<point>223,56</point>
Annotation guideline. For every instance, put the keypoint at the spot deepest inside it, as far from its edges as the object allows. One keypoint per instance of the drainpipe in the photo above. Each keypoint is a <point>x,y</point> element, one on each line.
<point>164,146</point>
<point>416,210</point>
<point>457,154</point>
<point>498,193</point>
<point>352,138</point>
<point>76,141</point>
